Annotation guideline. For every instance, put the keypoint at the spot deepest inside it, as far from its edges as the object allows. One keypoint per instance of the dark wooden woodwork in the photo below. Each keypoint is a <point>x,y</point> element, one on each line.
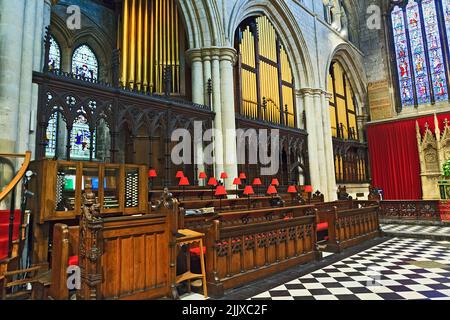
<point>347,228</point>
<point>419,210</point>
<point>240,254</point>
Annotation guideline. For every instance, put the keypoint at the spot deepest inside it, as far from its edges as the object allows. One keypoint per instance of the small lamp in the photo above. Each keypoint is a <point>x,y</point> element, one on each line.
<point>151,175</point>
<point>272,191</point>
<point>257,182</point>
<point>220,192</point>
<point>275,182</point>
<point>180,174</point>
<point>203,176</point>
<point>184,182</point>
<point>212,183</point>
<point>293,191</point>
<point>243,176</point>
<point>309,190</point>
<point>237,182</point>
<point>248,191</point>
<point>224,176</point>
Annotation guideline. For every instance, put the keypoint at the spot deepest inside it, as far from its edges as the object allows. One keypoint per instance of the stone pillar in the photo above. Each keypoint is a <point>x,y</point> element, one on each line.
<point>11,33</point>
<point>198,96</point>
<point>217,108</point>
<point>328,144</point>
<point>311,124</point>
<point>320,143</point>
<point>227,61</point>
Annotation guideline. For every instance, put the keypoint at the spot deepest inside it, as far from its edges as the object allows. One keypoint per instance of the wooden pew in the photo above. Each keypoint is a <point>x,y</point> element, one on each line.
<point>350,227</point>
<point>238,254</point>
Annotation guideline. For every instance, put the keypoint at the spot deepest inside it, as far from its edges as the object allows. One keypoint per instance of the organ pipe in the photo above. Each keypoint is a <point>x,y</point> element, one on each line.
<point>150,44</point>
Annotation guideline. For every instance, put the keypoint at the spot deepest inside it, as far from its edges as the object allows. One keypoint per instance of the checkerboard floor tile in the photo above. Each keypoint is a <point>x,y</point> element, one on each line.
<point>412,229</point>
<point>399,269</point>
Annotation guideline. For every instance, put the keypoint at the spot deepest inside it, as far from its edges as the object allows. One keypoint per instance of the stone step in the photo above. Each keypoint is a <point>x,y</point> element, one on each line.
<point>435,233</point>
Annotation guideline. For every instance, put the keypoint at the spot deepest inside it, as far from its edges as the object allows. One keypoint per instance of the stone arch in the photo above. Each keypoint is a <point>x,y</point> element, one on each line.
<point>203,23</point>
<point>290,33</point>
<point>353,67</point>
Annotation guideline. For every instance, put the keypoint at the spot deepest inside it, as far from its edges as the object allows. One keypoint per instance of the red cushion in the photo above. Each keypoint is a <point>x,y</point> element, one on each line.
<point>196,251</point>
<point>73,261</point>
<point>3,248</point>
<point>322,226</point>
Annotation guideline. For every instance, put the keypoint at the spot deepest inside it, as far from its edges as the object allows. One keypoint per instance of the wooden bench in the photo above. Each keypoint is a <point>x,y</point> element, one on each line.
<point>239,254</point>
<point>350,227</point>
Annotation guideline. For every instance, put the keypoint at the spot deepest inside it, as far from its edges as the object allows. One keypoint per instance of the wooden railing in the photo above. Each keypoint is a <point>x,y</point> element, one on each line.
<point>240,254</point>
<point>410,210</point>
<point>348,228</point>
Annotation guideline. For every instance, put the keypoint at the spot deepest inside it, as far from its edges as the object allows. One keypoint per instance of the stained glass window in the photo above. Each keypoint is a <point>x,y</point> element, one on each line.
<point>84,63</point>
<point>419,51</point>
<point>54,61</point>
<point>80,139</point>
<point>52,129</point>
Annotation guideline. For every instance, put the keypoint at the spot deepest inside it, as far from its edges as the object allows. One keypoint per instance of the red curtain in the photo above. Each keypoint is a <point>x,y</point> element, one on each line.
<point>394,157</point>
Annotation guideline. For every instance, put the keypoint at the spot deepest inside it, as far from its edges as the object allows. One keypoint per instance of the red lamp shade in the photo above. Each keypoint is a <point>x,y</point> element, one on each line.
<point>184,182</point>
<point>257,182</point>
<point>224,175</point>
<point>237,182</point>
<point>272,190</point>
<point>152,173</point>
<point>292,189</point>
<point>180,174</point>
<point>242,176</point>
<point>309,189</point>
<point>212,182</point>
<point>221,191</point>
<point>202,175</point>
<point>248,191</point>
<point>275,182</point>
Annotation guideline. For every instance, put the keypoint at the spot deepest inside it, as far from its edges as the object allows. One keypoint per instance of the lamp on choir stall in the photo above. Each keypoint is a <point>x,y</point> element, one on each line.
<point>180,174</point>
<point>224,176</point>
<point>184,182</point>
<point>272,191</point>
<point>151,175</point>
<point>220,192</point>
<point>237,182</point>
<point>309,190</point>
<point>293,191</point>
<point>257,182</point>
<point>212,183</point>
<point>203,176</point>
<point>248,191</point>
<point>275,182</point>
<point>243,176</point>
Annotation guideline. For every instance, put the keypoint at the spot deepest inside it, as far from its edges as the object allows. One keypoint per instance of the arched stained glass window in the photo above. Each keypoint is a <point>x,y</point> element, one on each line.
<point>418,27</point>
<point>80,140</point>
<point>85,63</point>
<point>54,62</point>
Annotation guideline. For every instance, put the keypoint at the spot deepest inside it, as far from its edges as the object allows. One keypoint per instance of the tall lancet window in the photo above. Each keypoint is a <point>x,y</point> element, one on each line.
<point>266,90</point>
<point>419,32</point>
<point>54,61</point>
<point>85,63</point>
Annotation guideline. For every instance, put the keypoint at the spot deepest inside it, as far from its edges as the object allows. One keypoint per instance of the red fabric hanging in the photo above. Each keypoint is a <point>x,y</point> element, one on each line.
<point>394,157</point>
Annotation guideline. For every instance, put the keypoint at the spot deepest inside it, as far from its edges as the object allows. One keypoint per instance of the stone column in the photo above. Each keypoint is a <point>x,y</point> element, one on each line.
<point>11,33</point>
<point>329,152</point>
<point>311,124</point>
<point>198,96</point>
<point>320,143</point>
<point>217,108</point>
<point>227,61</point>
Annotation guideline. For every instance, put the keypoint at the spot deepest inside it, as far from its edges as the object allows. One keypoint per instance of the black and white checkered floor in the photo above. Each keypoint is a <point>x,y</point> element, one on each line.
<point>398,269</point>
<point>415,229</point>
